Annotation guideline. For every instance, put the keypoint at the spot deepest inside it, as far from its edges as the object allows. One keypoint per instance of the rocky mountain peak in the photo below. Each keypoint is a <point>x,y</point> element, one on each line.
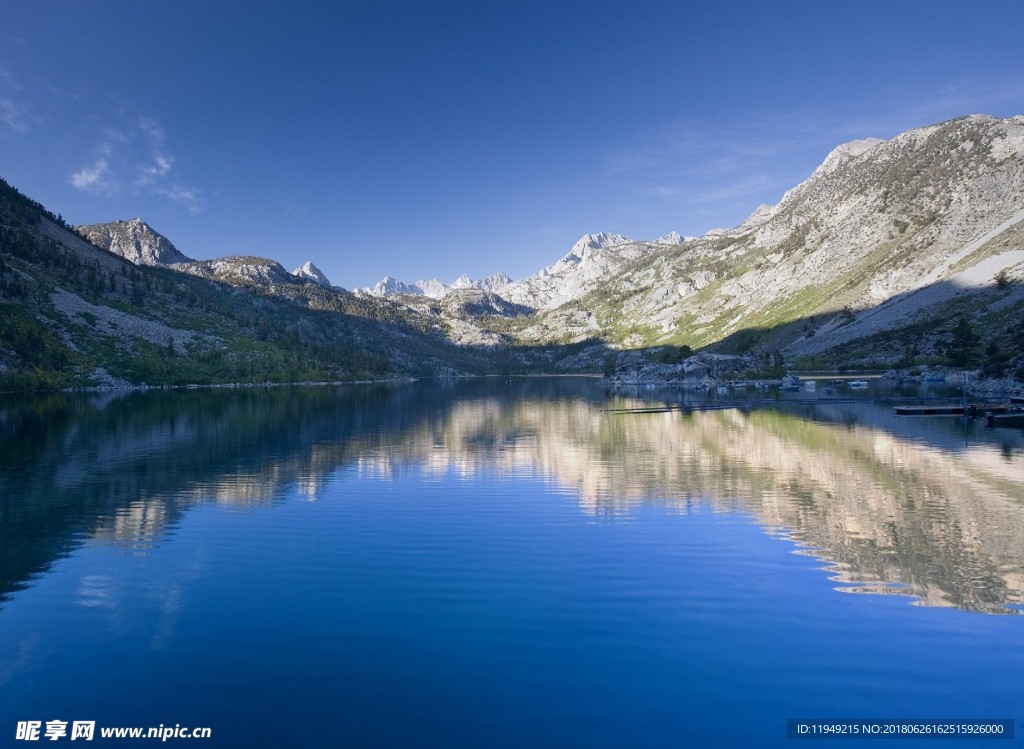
<point>310,272</point>
<point>598,241</point>
<point>672,238</point>
<point>494,282</point>
<point>135,241</point>
<point>389,286</point>
<point>434,288</point>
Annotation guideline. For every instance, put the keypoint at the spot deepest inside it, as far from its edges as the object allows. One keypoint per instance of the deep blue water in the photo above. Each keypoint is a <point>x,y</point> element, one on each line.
<point>473,564</point>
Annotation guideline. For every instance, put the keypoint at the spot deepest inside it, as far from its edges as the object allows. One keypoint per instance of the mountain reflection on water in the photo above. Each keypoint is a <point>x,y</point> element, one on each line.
<point>892,505</point>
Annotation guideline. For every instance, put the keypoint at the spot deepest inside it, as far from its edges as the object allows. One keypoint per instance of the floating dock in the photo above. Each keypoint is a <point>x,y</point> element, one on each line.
<point>972,409</point>
<point>1012,419</point>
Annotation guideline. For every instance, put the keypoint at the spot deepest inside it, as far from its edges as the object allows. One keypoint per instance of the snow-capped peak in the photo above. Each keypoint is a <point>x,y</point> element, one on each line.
<point>433,288</point>
<point>436,289</point>
<point>388,285</point>
<point>310,272</point>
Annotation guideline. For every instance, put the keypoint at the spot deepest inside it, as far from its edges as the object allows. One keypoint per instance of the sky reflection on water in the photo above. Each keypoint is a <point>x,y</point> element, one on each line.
<point>892,504</point>
<point>470,563</point>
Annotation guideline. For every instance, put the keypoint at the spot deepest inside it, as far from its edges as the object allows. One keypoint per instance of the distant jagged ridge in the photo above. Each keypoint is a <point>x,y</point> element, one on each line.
<point>137,242</point>
<point>883,235</point>
<point>75,314</point>
<point>559,284</point>
<point>434,288</point>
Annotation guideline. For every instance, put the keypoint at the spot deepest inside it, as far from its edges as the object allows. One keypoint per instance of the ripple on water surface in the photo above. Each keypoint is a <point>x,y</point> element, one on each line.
<point>458,565</point>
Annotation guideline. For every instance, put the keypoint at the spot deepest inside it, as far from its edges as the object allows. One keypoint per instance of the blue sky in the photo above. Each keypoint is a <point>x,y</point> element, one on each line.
<point>423,139</point>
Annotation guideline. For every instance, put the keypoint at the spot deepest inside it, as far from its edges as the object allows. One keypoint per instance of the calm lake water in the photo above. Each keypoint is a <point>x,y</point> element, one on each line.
<point>482,564</point>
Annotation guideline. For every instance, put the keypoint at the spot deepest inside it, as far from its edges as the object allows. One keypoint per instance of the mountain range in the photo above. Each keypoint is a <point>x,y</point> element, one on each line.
<point>433,288</point>
<point>871,260</point>
<point>887,241</point>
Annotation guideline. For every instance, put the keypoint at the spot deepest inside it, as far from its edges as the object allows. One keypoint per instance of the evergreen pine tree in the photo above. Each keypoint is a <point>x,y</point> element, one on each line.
<point>964,343</point>
<point>995,360</point>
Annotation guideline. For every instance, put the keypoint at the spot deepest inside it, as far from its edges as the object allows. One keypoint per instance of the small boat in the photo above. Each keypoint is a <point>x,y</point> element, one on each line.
<point>857,384</point>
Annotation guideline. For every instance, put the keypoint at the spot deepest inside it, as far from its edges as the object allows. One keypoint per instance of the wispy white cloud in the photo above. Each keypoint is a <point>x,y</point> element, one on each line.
<point>293,209</point>
<point>1000,95</point>
<point>15,112</point>
<point>154,133</point>
<point>133,154</point>
<point>689,150</point>
<point>730,190</point>
<point>15,115</point>
<point>95,177</point>
<point>703,168</point>
<point>190,197</point>
<point>665,192</point>
<point>696,148</point>
<point>690,167</point>
<point>153,172</point>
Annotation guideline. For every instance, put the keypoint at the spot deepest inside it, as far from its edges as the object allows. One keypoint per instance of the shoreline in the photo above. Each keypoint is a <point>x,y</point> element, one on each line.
<point>983,387</point>
<point>128,387</point>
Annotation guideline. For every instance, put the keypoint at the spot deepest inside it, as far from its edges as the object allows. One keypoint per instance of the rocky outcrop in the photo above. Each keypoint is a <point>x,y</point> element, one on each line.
<point>246,270</point>
<point>133,240</point>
